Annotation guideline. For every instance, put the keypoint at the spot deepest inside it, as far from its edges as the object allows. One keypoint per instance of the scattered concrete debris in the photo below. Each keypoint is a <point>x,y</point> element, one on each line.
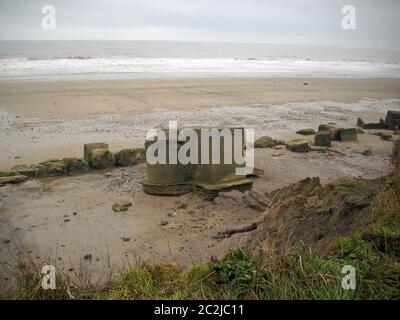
<point>121,206</point>
<point>298,145</point>
<point>380,125</point>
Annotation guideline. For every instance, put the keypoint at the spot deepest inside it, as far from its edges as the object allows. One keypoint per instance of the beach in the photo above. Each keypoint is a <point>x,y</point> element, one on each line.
<point>53,119</point>
<point>61,220</point>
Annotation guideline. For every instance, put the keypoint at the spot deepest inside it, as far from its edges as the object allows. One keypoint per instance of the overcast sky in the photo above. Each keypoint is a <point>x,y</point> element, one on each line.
<point>308,22</point>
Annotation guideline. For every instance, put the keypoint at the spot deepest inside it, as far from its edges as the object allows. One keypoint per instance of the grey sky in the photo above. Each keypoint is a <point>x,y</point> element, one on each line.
<point>308,22</point>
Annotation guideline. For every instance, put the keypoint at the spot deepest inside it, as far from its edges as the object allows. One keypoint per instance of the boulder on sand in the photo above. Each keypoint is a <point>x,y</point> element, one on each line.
<point>323,139</point>
<point>347,134</point>
<point>393,119</point>
<point>298,145</point>
<point>306,132</point>
<point>267,142</point>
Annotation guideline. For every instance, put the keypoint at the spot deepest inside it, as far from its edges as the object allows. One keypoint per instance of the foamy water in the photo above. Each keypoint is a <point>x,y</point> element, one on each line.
<point>26,68</point>
<point>41,60</point>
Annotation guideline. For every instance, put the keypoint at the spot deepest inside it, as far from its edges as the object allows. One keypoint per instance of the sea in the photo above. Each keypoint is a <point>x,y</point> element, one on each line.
<point>69,60</point>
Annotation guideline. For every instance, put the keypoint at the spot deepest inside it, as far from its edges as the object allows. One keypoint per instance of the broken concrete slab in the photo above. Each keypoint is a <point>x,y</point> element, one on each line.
<point>323,139</point>
<point>267,142</point>
<point>298,145</point>
<point>393,119</point>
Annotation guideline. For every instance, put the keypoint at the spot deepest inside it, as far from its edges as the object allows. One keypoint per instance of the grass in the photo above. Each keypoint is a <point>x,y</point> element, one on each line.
<point>8,174</point>
<point>265,272</point>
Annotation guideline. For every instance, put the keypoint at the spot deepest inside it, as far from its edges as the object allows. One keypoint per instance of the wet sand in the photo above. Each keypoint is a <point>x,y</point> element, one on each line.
<point>62,220</point>
<point>42,120</point>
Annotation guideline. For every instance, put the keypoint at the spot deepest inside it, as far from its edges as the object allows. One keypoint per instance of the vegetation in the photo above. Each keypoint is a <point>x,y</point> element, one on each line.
<point>266,273</point>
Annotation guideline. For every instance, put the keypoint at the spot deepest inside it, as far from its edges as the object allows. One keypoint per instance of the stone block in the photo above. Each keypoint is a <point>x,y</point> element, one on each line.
<point>347,134</point>
<point>90,146</point>
<point>323,139</point>
<point>298,145</point>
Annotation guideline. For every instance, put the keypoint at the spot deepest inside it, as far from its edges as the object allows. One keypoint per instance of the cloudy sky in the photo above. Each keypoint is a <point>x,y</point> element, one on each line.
<point>308,22</point>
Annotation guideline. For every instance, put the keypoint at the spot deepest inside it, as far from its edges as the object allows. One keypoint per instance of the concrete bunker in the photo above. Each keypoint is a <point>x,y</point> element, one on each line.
<point>175,177</point>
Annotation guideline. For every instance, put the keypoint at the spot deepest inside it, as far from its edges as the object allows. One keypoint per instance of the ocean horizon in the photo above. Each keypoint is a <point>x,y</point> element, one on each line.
<point>78,59</point>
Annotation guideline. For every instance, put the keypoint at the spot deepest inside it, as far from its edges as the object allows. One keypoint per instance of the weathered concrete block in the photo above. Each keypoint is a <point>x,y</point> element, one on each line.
<point>323,139</point>
<point>90,146</point>
<point>347,134</point>
<point>126,157</point>
<point>306,132</point>
<point>298,145</point>
<point>331,128</point>
<point>100,158</point>
<point>76,165</point>
<point>393,119</point>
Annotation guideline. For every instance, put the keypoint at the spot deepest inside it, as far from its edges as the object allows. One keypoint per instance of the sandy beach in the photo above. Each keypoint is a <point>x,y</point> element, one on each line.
<point>42,120</point>
<point>62,220</point>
